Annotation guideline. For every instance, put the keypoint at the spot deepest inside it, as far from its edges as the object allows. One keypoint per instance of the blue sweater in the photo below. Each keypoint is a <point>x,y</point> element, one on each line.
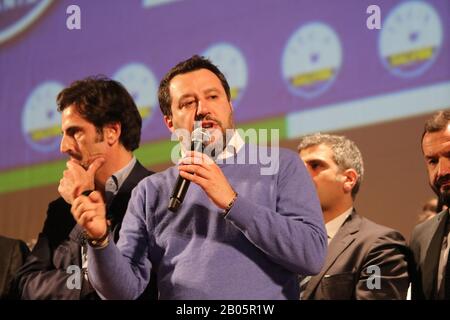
<point>273,232</point>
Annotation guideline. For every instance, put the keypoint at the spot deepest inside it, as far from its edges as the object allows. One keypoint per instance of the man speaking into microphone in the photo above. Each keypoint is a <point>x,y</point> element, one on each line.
<point>240,232</point>
<point>200,138</point>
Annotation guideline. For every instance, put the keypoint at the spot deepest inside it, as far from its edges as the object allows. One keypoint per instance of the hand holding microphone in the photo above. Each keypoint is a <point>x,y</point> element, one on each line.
<point>203,171</point>
<point>200,137</point>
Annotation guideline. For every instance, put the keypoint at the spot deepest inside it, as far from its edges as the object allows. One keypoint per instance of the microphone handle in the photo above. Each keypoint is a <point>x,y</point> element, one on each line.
<point>181,185</point>
<point>178,194</point>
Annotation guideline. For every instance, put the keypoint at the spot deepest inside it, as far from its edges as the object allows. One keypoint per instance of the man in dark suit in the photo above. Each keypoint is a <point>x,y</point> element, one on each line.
<point>430,239</point>
<point>12,255</point>
<point>101,127</point>
<point>365,260</point>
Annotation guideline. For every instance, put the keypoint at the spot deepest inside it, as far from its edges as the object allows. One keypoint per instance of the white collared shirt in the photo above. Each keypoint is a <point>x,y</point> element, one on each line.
<point>114,183</point>
<point>233,147</point>
<point>236,142</point>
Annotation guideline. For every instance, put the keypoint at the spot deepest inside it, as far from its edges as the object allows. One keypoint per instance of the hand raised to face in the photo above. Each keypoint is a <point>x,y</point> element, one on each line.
<point>76,179</point>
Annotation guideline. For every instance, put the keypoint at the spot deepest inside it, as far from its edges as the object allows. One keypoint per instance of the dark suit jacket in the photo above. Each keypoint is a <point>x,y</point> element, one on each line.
<point>358,244</point>
<point>12,255</point>
<point>425,243</point>
<point>44,274</point>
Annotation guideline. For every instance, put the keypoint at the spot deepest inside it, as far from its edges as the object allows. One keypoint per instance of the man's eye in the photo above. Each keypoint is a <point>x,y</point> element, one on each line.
<point>213,97</point>
<point>189,103</point>
<point>314,165</point>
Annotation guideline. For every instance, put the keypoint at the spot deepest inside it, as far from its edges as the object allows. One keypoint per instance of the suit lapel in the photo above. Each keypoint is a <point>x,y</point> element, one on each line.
<point>343,238</point>
<point>433,251</point>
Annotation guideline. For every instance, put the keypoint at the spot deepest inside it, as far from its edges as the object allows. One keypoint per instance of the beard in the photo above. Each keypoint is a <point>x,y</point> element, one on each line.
<point>218,142</point>
<point>443,192</point>
<point>220,136</point>
<point>444,197</point>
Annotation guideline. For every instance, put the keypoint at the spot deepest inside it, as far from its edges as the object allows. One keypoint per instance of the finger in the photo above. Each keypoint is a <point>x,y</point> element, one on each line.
<point>73,166</point>
<point>203,156</point>
<point>96,197</point>
<point>78,210</point>
<point>95,165</point>
<point>197,158</point>
<point>87,216</point>
<point>67,173</point>
<point>78,201</point>
<point>194,178</point>
<point>81,208</point>
<point>76,213</point>
<point>194,169</point>
<point>90,215</point>
<point>87,206</point>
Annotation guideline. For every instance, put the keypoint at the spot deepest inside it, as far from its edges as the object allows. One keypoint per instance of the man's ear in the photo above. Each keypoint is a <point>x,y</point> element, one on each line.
<point>350,177</point>
<point>111,132</point>
<point>169,123</point>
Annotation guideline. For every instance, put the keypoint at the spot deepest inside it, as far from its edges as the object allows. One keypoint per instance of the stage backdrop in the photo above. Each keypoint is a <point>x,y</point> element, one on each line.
<point>296,65</point>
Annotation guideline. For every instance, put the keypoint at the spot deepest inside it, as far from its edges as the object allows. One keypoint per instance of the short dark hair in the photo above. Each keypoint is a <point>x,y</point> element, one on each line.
<point>437,122</point>
<point>192,64</point>
<point>101,101</point>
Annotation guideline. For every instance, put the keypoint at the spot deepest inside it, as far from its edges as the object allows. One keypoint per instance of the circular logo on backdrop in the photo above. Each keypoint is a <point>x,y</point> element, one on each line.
<point>41,121</point>
<point>142,86</point>
<point>230,60</point>
<point>16,16</point>
<point>311,59</point>
<point>410,38</point>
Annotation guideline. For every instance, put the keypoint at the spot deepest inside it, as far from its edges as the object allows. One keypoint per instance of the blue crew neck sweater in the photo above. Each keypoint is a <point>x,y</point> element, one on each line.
<point>273,232</point>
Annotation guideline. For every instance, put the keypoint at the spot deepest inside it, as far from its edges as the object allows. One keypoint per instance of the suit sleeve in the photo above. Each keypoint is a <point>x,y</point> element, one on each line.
<point>16,258</point>
<point>384,275</point>
<point>416,275</point>
<point>39,278</point>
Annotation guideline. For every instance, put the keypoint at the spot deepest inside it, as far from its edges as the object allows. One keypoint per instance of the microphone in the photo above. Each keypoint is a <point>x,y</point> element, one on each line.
<point>199,137</point>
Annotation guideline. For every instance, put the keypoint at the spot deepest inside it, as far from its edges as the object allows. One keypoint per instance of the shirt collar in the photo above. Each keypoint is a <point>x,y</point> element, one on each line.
<point>334,225</point>
<point>116,181</point>
<point>233,147</point>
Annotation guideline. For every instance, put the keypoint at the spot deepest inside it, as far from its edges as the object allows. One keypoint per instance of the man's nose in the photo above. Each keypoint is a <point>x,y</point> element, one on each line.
<point>444,166</point>
<point>203,109</point>
<point>65,145</point>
